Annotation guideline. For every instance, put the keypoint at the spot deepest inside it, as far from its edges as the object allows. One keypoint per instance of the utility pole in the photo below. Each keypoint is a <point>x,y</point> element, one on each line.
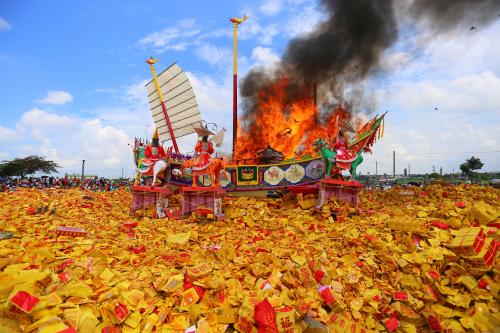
<point>376,168</point>
<point>394,164</point>
<point>122,172</point>
<point>83,169</point>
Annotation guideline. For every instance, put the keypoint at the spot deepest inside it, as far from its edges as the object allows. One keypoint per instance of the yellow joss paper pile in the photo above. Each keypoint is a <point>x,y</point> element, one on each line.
<point>408,260</point>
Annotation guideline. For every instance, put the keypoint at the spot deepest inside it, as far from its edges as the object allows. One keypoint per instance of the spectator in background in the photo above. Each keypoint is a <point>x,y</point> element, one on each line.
<point>92,184</point>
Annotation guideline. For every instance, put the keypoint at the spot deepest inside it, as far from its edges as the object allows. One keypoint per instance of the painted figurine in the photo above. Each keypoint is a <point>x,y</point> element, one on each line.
<point>344,157</point>
<point>151,161</point>
<point>204,149</point>
<point>154,151</point>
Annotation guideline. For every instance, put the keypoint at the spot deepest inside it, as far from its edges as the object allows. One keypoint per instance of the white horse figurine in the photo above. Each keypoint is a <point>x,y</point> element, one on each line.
<point>159,166</point>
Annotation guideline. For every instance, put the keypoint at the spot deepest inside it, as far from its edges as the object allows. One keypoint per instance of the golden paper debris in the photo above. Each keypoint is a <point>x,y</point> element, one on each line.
<point>175,275</point>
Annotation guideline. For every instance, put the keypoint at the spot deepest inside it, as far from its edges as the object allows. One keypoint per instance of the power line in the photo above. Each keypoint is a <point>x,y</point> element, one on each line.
<point>465,152</point>
<point>386,156</point>
<point>439,121</point>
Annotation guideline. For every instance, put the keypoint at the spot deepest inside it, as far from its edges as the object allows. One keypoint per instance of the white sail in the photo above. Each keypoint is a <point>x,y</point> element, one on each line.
<point>180,102</point>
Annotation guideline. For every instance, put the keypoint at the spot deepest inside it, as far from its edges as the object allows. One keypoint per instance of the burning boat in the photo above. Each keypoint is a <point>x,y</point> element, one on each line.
<point>284,145</point>
<point>284,158</point>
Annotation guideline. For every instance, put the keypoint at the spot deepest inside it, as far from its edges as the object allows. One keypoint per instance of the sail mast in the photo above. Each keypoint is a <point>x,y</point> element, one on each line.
<point>151,61</point>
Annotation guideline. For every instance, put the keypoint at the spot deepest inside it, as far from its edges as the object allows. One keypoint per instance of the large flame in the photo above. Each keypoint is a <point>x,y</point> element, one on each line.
<point>287,126</point>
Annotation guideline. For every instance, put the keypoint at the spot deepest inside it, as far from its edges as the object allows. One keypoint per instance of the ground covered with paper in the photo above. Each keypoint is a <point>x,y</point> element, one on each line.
<point>410,260</point>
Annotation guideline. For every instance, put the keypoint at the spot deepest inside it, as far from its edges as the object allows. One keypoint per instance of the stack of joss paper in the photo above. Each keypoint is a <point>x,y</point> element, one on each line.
<point>425,261</point>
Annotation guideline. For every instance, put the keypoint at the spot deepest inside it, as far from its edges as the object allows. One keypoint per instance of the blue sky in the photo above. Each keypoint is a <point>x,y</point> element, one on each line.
<point>72,77</point>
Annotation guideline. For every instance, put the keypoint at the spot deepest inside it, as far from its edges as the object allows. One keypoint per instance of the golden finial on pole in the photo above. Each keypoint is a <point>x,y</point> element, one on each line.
<point>151,61</point>
<point>236,21</point>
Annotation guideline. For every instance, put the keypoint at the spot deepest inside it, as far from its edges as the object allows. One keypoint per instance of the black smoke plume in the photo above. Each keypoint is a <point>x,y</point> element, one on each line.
<point>342,49</point>
<point>347,47</point>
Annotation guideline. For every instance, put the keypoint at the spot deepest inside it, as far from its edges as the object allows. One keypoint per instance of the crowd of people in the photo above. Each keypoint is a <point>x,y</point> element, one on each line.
<point>91,183</point>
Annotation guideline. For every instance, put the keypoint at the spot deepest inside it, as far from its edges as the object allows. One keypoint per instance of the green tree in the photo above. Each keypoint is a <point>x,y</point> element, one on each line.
<point>434,175</point>
<point>470,165</point>
<point>27,166</point>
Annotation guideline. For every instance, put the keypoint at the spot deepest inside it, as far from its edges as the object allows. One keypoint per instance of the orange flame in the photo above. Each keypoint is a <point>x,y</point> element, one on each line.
<point>287,126</point>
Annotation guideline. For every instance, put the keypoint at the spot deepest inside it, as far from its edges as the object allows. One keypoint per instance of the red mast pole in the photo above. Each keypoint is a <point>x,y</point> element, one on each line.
<point>169,125</point>
<point>151,61</point>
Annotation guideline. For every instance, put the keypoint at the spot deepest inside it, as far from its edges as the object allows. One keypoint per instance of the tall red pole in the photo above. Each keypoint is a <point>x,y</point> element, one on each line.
<point>235,112</point>
<point>235,21</point>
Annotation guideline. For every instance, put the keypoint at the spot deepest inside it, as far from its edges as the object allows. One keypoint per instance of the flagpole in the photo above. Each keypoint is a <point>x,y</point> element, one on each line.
<point>151,61</point>
<point>236,22</point>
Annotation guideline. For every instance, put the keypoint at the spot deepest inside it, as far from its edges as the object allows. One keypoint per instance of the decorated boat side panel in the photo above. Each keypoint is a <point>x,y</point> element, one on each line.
<point>273,175</point>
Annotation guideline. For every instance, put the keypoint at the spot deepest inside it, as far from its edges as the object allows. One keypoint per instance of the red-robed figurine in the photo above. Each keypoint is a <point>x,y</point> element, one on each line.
<point>154,151</point>
<point>343,156</point>
<point>204,149</point>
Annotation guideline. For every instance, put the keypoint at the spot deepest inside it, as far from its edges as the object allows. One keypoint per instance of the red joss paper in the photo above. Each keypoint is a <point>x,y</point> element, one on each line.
<point>68,330</point>
<point>434,274</point>
<point>318,275</point>
<point>440,225</point>
<point>392,324</point>
<point>24,301</point>
<point>121,311</point>
<point>68,231</point>
<point>434,324</point>
<point>265,317</point>
<point>64,277</point>
<point>400,296</point>
<point>327,295</point>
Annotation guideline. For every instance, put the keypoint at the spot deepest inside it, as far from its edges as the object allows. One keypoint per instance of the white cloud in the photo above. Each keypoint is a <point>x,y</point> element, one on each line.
<point>271,7</point>
<point>394,61</point>
<point>214,99</point>
<point>442,95</point>
<point>4,25</point>
<point>104,143</point>
<point>100,136</point>
<point>448,55</point>
<point>470,92</point>
<point>303,20</point>
<point>58,97</point>
<point>69,139</point>
<point>7,134</point>
<point>43,119</point>
<point>187,33</point>
<point>264,56</point>
<point>214,55</point>
<point>131,110</point>
<point>177,38</point>
<point>253,29</point>
<point>447,145</point>
<point>136,94</point>
<point>465,123</point>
